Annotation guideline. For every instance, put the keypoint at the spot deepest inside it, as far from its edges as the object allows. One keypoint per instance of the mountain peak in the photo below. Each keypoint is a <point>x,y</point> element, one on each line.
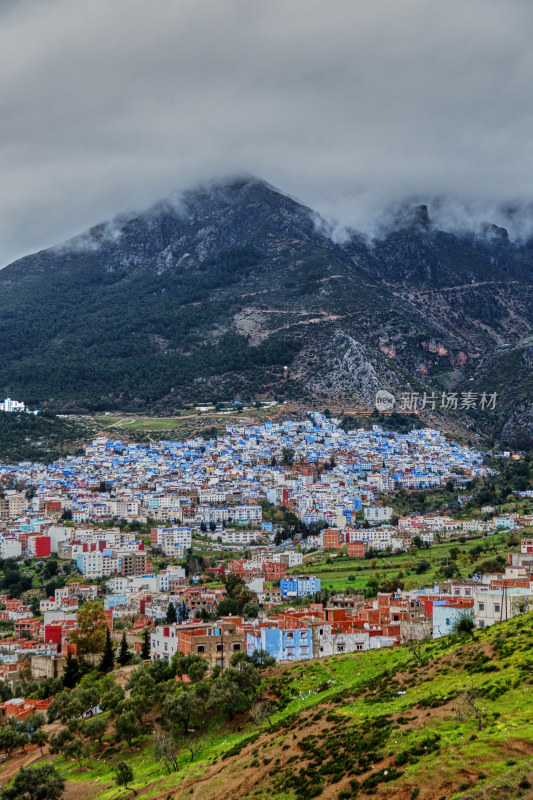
<point>413,217</point>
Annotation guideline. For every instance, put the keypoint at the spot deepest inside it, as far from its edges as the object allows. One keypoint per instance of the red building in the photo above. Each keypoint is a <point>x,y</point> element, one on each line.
<point>357,549</point>
<point>332,538</point>
<point>274,571</point>
<point>28,626</point>
<point>42,546</point>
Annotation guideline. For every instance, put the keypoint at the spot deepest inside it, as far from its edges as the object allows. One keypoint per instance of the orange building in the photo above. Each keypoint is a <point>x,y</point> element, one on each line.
<point>357,549</point>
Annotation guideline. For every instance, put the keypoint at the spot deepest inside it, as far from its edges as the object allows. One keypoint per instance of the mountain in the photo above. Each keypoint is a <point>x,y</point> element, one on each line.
<point>233,289</point>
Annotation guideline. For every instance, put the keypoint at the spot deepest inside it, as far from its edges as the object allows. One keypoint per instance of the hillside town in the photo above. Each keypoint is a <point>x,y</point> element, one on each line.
<point>180,543</point>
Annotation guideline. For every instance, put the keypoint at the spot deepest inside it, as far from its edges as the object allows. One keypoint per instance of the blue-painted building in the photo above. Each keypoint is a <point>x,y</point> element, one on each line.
<point>444,617</point>
<point>112,600</point>
<point>299,586</point>
<point>283,645</point>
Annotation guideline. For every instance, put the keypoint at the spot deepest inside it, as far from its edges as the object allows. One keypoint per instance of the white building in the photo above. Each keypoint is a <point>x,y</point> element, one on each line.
<point>164,578</point>
<point>378,514</point>
<point>10,547</point>
<point>291,558</point>
<point>163,642</point>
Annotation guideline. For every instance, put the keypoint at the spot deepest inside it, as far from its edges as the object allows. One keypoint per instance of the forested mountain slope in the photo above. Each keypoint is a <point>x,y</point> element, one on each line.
<point>211,296</point>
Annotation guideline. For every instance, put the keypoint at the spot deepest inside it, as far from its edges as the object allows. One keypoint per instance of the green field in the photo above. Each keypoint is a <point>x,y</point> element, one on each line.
<point>186,423</point>
<point>335,570</point>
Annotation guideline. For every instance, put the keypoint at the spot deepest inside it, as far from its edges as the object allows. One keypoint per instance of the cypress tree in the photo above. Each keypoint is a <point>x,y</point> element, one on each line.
<point>124,654</point>
<point>171,614</point>
<point>107,662</point>
<point>71,673</point>
<point>146,648</point>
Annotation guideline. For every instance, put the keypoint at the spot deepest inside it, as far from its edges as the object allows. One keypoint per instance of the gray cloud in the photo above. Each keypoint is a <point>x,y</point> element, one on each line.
<point>347,105</point>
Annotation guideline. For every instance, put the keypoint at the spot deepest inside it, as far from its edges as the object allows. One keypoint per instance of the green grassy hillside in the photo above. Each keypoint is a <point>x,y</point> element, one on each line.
<point>452,719</point>
<point>414,569</point>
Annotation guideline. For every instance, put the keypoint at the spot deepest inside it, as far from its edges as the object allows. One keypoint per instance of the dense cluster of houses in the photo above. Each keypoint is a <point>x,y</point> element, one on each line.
<point>219,495</point>
<point>314,468</point>
<point>349,623</point>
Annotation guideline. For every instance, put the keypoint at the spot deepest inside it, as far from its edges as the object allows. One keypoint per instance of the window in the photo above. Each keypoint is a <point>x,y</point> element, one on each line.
<point>219,648</point>
<point>496,607</point>
<point>201,648</point>
<point>481,606</point>
<point>447,620</point>
<point>358,646</point>
<point>340,647</point>
<point>236,646</point>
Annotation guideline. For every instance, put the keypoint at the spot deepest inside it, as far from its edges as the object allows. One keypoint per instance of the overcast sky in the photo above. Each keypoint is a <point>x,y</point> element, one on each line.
<point>108,105</point>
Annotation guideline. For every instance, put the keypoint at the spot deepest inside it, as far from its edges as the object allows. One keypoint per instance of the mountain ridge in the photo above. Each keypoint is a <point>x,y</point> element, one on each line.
<point>210,296</point>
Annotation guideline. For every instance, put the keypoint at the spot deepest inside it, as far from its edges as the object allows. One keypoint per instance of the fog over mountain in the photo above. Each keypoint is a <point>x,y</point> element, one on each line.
<point>348,106</point>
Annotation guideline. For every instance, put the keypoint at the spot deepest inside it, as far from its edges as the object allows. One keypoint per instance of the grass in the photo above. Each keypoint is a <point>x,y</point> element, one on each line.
<point>186,420</point>
<point>378,718</point>
<point>334,570</point>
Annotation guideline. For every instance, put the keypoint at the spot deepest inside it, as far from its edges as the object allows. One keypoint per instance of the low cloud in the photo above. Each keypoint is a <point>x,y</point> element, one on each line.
<point>349,106</point>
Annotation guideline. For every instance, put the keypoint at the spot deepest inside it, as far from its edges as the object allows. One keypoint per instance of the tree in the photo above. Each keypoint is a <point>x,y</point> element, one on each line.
<point>107,662</point>
<point>92,626</point>
<point>127,727</point>
<point>171,616</point>
<point>467,706</point>
<point>146,646</point>
<point>194,666</point>
<point>42,782</point>
<point>193,743</point>
<point>124,775</point>
<point>40,738</point>
<point>142,688</point>
<point>59,741</point>
<point>111,694</point>
<point>287,456</point>
<point>250,610</point>
<point>71,673</point>
<point>228,606</point>
<point>124,655</point>
<point>261,712</point>
<point>261,659</point>
<point>166,750</point>
<point>95,728</point>
<point>35,605</point>
<point>179,710</point>
<point>465,623</point>
<point>34,721</point>
<point>237,590</point>
<point>10,739</point>
<point>76,750</point>
<point>230,694</point>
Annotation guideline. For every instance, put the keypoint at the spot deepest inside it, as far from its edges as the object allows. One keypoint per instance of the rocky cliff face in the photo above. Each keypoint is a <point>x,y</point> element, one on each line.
<point>233,289</point>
